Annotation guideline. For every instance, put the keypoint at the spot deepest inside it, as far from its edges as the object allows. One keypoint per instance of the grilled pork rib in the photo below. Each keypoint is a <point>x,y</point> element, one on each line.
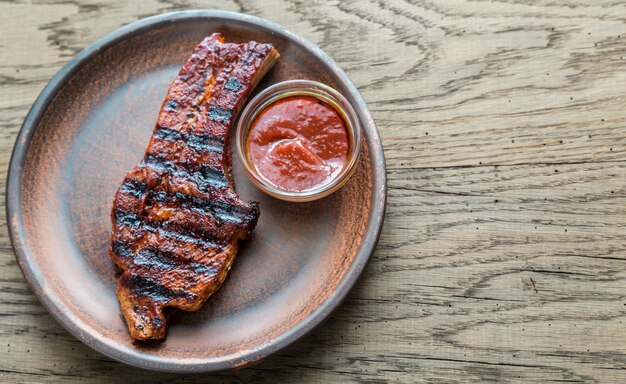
<point>176,217</point>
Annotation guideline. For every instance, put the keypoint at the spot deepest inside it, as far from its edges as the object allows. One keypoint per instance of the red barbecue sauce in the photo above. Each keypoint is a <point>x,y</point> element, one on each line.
<point>298,143</point>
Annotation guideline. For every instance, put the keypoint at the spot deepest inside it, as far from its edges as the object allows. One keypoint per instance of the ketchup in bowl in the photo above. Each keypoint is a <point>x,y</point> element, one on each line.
<point>299,140</point>
<point>298,143</point>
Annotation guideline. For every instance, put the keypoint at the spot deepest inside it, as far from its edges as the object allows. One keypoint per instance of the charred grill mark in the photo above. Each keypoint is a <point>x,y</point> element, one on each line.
<point>222,210</point>
<point>230,213</point>
<point>185,234</point>
<point>220,114</point>
<point>127,218</point>
<point>122,250</point>
<point>133,187</point>
<point>171,106</point>
<point>212,176</point>
<point>144,286</point>
<point>233,84</point>
<point>161,196</point>
<point>204,176</point>
<point>164,261</point>
<point>164,133</point>
<point>153,258</point>
<point>208,143</point>
<point>174,234</point>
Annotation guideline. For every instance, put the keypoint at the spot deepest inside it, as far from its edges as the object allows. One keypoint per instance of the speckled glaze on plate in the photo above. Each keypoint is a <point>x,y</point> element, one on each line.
<point>91,124</point>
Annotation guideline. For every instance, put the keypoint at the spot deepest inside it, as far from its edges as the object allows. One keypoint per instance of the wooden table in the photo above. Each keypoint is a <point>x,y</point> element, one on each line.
<point>503,256</point>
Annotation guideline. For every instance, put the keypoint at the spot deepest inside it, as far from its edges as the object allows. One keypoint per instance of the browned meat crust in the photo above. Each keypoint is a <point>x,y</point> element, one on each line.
<point>176,217</point>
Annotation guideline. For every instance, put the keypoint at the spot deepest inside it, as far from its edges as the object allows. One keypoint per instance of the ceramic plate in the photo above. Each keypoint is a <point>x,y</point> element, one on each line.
<point>91,124</point>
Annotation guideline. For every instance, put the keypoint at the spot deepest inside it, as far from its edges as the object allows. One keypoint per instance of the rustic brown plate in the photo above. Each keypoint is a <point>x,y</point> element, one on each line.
<point>91,124</point>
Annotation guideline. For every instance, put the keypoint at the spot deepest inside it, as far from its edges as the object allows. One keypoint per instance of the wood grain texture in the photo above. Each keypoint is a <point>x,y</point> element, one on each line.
<point>503,256</point>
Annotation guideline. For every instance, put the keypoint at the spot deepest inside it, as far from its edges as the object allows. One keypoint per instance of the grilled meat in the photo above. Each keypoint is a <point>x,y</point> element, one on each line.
<point>176,217</point>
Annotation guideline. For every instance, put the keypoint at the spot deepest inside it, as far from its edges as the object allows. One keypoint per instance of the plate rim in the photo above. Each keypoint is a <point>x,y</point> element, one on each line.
<point>95,340</point>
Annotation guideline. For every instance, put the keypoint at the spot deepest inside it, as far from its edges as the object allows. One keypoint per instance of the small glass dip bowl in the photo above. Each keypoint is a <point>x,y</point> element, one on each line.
<point>299,88</point>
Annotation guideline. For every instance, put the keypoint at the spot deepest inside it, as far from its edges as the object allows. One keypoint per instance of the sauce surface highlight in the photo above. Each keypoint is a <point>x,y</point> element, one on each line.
<point>298,143</point>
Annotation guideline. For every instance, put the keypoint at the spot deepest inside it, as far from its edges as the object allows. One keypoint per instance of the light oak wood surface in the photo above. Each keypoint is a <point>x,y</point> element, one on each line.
<point>503,255</point>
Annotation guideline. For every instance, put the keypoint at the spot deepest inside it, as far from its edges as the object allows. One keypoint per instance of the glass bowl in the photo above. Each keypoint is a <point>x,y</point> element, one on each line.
<point>299,88</point>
